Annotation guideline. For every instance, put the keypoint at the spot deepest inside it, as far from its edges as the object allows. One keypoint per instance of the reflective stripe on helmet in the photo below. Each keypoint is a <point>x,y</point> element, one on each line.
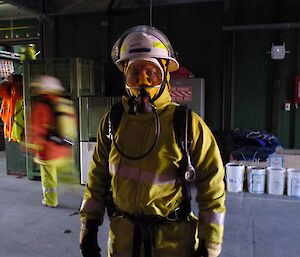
<point>143,42</point>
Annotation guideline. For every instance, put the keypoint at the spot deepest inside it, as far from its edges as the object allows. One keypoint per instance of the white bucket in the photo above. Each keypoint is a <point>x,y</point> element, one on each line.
<point>256,179</point>
<point>275,180</point>
<point>293,182</point>
<point>234,177</point>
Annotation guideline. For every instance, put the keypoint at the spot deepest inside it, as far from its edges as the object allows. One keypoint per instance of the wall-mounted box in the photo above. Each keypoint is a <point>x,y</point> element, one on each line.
<point>189,91</point>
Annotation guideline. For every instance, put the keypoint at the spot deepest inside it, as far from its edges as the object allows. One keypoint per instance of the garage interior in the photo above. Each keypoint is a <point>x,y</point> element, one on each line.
<point>247,55</point>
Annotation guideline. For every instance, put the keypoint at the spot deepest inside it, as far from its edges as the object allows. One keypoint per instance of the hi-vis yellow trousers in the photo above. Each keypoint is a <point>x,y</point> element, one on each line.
<point>50,171</point>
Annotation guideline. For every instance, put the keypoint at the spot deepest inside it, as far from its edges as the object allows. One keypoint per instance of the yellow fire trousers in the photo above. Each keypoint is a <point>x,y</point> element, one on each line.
<point>50,171</point>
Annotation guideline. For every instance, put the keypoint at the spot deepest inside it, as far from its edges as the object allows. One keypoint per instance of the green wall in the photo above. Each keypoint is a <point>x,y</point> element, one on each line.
<point>195,32</point>
<point>260,86</point>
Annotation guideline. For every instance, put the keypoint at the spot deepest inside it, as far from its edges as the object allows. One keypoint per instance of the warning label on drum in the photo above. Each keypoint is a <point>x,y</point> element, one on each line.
<point>181,94</point>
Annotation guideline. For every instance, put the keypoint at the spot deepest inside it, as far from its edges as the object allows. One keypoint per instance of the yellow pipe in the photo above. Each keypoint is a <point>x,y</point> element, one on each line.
<point>14,28</point>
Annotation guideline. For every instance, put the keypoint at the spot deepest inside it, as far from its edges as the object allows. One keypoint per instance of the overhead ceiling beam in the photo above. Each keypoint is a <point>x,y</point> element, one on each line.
<point>53,7</point>
<point>119,4</point>
<point>269,26</point>
<point>34,6</point>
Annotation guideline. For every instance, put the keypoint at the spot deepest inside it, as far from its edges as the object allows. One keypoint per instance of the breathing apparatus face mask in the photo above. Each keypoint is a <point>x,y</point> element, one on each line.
<point>143,79</point>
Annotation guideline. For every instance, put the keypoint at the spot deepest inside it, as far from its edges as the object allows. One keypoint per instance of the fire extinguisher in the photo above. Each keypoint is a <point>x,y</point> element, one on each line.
<point>297,89</point>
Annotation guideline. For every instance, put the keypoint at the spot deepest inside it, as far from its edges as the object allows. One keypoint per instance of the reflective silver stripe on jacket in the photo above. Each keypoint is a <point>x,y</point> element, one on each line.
<point>49,190</point>
<point>91,205</point>
<point>141,175</point>
<point>212,217</point>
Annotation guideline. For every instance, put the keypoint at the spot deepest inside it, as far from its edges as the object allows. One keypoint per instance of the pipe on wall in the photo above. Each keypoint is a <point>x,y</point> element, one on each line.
<point>268,26</point>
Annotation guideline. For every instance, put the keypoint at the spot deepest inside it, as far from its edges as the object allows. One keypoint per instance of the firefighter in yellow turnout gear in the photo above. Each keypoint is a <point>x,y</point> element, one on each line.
<point>136,171</point>
<point>53,128</point>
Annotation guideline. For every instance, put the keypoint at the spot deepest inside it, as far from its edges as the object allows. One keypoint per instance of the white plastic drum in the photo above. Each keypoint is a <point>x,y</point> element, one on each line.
<point>234,177</point>
<point>293,182</point>
<point>275,180</point>
<point>256,179</point>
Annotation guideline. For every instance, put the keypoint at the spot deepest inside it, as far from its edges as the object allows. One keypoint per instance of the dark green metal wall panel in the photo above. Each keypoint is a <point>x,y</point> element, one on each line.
<point>297,107</point>
<point>197,39</point>
<point>262,86</point>
<point>196,34</point>
<point>15,159</point>
<point>254,89</point>
<point>252,80</point>
<point>255,11</point>
<point>297,129</point>
<point>79,36</point>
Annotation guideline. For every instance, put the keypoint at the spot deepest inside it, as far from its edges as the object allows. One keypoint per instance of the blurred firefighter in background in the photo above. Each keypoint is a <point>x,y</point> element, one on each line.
<point>52,133</point>
<point>139,172</point>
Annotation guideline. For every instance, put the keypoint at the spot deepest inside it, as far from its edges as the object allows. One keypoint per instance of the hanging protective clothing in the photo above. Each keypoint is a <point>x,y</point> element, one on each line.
<point>151,186</point>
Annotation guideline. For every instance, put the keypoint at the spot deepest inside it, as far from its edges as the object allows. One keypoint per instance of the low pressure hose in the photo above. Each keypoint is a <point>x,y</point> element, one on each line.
<point>138,157</point>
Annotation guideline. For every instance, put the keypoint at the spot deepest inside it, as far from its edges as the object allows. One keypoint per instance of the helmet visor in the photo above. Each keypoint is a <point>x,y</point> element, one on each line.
<point>143,73</point>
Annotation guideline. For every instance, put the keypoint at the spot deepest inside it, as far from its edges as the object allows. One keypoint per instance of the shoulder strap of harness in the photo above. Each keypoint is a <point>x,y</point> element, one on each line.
<point>183,134</point>
<point>182,128</point>
<point>115,115</point>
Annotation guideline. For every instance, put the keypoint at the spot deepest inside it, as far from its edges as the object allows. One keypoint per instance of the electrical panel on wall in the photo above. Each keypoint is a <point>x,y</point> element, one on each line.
<point>190,92</point>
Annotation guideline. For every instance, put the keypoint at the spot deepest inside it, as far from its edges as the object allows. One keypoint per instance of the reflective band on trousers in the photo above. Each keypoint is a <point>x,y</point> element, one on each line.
<point>136,174</point>
<point>212,217</point>
<point>49,190</point>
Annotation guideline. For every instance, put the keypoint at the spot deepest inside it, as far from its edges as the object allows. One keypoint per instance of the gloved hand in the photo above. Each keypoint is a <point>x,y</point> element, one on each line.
<point>88,239</point>
<point>209,249</point>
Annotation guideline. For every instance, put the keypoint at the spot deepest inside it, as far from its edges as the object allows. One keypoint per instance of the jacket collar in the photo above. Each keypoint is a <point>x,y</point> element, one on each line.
<point>160,103</point>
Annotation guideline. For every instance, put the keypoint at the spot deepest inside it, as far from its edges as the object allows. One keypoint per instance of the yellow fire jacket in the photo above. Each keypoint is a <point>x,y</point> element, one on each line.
<point>149,186</point>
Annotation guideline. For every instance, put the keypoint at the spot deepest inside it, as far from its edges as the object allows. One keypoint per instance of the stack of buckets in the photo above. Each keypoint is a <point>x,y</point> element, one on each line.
<point>275,179</point>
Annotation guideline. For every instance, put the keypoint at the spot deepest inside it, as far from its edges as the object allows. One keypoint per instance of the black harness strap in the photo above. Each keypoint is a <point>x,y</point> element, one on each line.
<point>115,116</point>
<point>143,231</point>
<point>184,141</point>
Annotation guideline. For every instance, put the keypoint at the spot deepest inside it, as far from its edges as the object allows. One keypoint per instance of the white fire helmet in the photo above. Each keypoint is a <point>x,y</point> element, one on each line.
<point>143,42</point>
<point>47,84</point>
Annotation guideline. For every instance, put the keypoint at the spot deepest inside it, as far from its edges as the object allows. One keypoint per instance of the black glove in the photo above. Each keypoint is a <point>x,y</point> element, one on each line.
<point>203,249</point>
<point>88,239</point>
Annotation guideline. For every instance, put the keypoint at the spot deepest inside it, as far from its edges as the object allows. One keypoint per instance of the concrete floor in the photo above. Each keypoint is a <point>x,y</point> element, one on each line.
<point>255,226</point>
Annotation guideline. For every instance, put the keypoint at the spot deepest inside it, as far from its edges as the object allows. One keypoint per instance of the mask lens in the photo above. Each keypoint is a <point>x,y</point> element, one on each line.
<point>143,73</point>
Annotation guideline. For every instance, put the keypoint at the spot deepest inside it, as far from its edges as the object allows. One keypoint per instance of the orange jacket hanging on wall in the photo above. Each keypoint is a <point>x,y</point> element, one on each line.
<point>11,92</point>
